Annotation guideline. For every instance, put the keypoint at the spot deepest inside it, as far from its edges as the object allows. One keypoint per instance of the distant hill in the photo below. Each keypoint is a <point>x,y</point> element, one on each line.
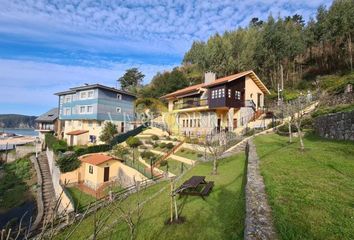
<point>17,121</point>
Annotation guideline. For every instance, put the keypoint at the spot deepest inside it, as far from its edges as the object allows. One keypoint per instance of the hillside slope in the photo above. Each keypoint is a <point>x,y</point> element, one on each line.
<point>17,121</point>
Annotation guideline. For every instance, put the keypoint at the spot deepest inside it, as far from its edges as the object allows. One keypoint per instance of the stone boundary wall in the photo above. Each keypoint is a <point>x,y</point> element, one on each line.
<point>339,126</point>
<point>66,204</point>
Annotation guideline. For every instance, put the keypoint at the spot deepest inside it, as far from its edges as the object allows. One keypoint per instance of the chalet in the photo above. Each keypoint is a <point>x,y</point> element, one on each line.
<point>223,104</point>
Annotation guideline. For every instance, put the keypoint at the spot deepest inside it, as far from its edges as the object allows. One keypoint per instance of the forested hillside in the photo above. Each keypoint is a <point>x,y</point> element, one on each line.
<point>303,50</point>
<point>16,121</point>
<point>290,47</point>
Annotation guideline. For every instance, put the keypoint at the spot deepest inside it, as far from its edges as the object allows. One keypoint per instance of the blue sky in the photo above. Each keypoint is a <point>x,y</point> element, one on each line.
<point>49,46</point>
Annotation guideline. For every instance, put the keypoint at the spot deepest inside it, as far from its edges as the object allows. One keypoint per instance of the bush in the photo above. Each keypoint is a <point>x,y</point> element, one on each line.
<point>162,145</point>
<point>182,150</point>
<point>307,123</point>
<point>120,151</point>
<point>155,137</point>
<point>327,110</point>
<point>163,163</point>
<point>147,155</point>
<point>68,162</point>
<point>168,138</point>
<point>285,128</point>
<point>175,139</point>
<point>54,144</point>
<point>169,145</point>
<point>276,123</point>
<point>133,142</point>
<point>79,151</point>
<point>108,132</point>
<point>149,142</point>
<point>155,145</point>
<point>199,155</point>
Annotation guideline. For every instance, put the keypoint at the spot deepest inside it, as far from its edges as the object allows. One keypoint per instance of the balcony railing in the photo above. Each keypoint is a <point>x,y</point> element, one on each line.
<point>190,103</point>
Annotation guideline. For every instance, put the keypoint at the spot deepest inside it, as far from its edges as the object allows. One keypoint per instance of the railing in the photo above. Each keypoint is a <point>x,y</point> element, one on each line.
<point>250,103</point>
<point>190,103</point>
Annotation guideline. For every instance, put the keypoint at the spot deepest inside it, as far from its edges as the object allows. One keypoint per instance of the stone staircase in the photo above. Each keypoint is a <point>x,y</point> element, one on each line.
<point>48,193</point>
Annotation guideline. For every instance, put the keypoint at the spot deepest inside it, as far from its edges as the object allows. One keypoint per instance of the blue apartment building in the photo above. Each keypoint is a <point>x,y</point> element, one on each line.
<point>84,110</point>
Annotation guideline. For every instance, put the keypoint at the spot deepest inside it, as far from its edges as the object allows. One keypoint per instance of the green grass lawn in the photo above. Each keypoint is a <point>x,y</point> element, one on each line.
<point>219,216</point>
<point>175,166</point>
<point>80,198</point>
<point>18,177</point>
<point>190,154</point>
<point>311,193</point>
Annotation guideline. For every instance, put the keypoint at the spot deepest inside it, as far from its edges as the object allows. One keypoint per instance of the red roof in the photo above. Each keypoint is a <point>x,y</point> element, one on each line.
<point>218,81</point>
<point>77,132</point>
<point>97,158</point>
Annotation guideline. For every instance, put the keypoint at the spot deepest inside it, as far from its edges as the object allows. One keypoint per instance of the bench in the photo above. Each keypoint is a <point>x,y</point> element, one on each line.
<point>207,189</point>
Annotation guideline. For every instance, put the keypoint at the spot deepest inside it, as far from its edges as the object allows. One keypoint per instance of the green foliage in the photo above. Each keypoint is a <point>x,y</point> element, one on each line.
<point>155,137</point>
<point>335,84</point>
<point>334,109</point>
<point>13,186</point>
<point>133,142</point>
<point>169,145</point>
<point>162,145</point>
<point>55,144</point>
<point>108,132</point>
<point>285,128</point>
<point>147,155</point>
<point>163,83</point>
<point>131,79</point>
<point>79,151</point>
<point>120,151</point>
<point>163,163</point>
<point>68,162</point>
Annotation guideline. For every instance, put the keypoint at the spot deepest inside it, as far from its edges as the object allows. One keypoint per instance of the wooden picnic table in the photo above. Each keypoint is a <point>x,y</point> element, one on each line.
<point>196,185</point>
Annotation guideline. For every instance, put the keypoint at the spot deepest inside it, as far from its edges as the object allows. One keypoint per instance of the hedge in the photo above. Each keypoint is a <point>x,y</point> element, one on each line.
<point>92,149</point>
<point>122,137</point>
<point>55,144</point>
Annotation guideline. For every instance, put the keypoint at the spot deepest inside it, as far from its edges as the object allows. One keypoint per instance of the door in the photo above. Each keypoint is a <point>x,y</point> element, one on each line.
<point>71,140</point>
<point>122,127</point>
<point>106,174</point>
<point>259,100</point>
<point>235,123</point>
<point>219,125</point>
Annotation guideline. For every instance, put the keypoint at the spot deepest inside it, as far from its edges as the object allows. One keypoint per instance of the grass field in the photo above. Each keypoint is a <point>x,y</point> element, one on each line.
<point>311,193</point>
<point>191,154</point>
<point>80,198</point>
<point>219,216</point>
<point>175,166</point>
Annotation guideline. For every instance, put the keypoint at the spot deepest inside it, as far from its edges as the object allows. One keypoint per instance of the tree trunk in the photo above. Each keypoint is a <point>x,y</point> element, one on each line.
<point>214,166</point>
<point>350,52</point>
<point>290,133</point>
<point>302,147</point>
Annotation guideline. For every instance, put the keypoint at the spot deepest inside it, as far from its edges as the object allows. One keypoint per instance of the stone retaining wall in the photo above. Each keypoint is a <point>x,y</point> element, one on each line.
<point>339,126</point>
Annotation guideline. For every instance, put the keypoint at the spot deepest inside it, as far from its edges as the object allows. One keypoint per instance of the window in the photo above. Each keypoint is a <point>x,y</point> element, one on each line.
<point>91,169</point>
<point>90,94</point>
<point>89,109</point>
<point>83,95</point>
<point>82,109</point>
<point>229,93</point>
<point>68,98</point>
<point>118,109</point>
<point>187,123</point>
<point>67,111</point>
<point>190,123</point>
<point>119,96</point>
<point>195,122</point>
<point>237,95</point>
<point>183,123</point>
<point>223,92</point>
<point>198,122</point>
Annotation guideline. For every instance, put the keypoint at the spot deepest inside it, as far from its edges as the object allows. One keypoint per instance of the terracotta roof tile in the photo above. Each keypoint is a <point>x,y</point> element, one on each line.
<point>97,158</point>
<point>77,132</point>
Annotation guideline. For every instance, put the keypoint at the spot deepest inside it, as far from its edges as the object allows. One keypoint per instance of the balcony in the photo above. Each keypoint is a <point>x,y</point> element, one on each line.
<point>190,103</point>
<point>45,127</point>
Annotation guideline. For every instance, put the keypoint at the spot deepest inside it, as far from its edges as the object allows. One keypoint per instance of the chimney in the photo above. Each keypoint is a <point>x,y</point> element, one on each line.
<point>209,77</point>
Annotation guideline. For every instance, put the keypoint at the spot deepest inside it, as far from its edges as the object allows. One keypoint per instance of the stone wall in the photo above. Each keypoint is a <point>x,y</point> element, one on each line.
<point>339,126</point>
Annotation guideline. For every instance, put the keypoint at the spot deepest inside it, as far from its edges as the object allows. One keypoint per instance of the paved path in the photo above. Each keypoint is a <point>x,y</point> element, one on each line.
<point>259,224</point>
<point>182,159</point>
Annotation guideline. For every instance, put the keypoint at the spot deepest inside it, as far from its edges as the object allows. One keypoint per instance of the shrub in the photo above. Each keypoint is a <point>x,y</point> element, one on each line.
<point>54,144</point>
<point>120,151</point>
<point>199,155</point>
<point>285,128</point>
<point>163,163</point>
<point>155,137</point>
<point>155,145</point>
<point>147,155</point>
<point>68,162</point>
<point>276,123</point>
<point>108,132</point>
<point>162,145</point>
<point>307,123</point>
<point>169,145</point>
<point>133,142</point>
<point>79,151</point>
<point>182,150</point>
<point>175,139</point>
<point>149,142</point>
<point>192,152</point>
<point>168,138</point>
